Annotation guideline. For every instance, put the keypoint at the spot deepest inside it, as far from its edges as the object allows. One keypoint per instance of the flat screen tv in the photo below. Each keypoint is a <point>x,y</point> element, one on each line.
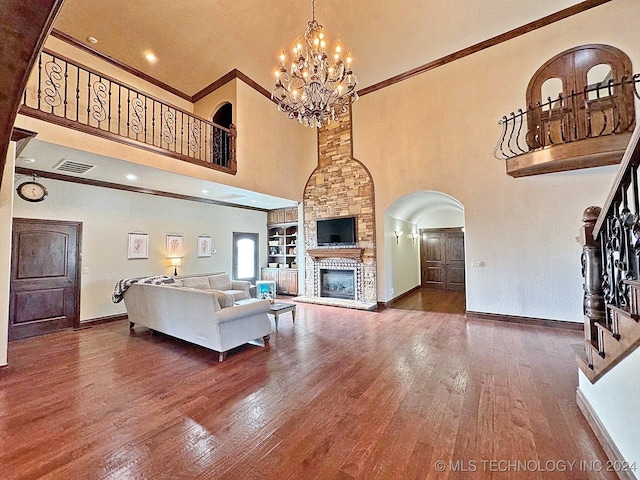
<point>336,231</point>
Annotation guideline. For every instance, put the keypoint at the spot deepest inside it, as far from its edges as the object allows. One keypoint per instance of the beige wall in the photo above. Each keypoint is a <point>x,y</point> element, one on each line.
<point>270,147</point>
<point>109,215</point>
<point>438,133</point>
<point>402,257</point>
<point>6,219</point>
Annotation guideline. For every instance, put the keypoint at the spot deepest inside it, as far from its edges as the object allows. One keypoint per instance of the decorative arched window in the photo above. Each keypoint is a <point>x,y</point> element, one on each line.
<point>580,93</point>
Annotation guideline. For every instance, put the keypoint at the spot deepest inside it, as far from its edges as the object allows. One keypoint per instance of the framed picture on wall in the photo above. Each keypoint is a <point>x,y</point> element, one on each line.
<point>138,245</point>
<point>174,246</point>
<point>204,246</point>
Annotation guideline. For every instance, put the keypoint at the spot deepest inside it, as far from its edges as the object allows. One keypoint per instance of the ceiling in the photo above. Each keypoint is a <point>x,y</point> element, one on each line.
<point>417,206</point>
<point>198,41</point>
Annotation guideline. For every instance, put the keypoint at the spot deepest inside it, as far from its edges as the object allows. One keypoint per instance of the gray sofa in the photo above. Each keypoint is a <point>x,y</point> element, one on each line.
<point>196,315</point>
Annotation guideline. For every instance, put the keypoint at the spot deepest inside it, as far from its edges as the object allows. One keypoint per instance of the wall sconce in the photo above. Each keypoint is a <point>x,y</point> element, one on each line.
<point>175,263</point>
<point>414,236</point>
<point>397,233</point>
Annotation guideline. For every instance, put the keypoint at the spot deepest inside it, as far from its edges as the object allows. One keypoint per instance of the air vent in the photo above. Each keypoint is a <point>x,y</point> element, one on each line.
<point>230,196</point>
<point>73,167</point>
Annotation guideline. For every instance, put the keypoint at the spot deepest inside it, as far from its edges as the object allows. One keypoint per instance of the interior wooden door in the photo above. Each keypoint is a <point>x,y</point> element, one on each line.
<point>454,260</point>
<point>442,259</point>
<point>45,277</point>
<point>433,261</point>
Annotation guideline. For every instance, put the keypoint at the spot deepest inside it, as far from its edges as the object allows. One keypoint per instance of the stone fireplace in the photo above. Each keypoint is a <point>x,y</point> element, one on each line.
<point>340,186</point>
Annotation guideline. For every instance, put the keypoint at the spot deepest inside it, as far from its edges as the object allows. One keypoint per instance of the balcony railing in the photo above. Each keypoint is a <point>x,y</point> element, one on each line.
<point>600,110</point>
<point>66,93</point>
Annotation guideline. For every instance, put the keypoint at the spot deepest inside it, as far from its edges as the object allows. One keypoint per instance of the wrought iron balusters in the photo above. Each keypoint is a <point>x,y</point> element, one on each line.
<point>109,108</point>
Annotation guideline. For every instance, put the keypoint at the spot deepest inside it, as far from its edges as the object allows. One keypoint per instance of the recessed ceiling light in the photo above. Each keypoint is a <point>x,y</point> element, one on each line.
<point>132,177</point>
<point>93,40</point>
<point>205,191</point>
<point>28,160</point>
<point>151,57</point>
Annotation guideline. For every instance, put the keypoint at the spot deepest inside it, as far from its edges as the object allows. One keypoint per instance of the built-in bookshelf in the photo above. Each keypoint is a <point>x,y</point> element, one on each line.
<point>282,250</point>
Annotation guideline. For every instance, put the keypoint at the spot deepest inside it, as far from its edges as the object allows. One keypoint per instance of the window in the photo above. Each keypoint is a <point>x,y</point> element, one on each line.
<point>551,90</point>
<point>598,78</point>
<point>245,256</point>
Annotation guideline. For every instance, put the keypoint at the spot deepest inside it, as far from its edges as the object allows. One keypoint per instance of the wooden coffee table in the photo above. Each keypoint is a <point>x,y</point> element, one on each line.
<point>279,308</point>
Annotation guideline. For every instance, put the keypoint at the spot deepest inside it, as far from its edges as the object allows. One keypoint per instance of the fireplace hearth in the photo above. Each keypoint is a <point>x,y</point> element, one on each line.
<point>337,284</point>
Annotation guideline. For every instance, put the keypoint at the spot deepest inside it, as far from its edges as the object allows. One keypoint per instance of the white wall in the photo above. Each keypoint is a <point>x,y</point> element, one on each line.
<point>109,215</point>
<point>6,207</point>
<point>615,398</point>
<point>441,127</point>
<point>402,257</point>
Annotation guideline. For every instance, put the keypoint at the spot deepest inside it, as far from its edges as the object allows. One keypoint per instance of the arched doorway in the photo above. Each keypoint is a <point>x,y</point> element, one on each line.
<point>424,253</point>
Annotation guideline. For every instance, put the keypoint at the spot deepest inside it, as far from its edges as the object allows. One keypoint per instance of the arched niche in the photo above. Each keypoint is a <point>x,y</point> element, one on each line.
<point>224,115</point>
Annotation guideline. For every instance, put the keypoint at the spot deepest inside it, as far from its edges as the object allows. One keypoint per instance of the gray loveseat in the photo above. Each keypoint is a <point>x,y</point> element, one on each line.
<point>195,315</point>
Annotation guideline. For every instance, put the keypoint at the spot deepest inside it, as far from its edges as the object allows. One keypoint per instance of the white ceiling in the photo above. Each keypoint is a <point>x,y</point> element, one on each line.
<point>417,206</point>
<point>198,41</point>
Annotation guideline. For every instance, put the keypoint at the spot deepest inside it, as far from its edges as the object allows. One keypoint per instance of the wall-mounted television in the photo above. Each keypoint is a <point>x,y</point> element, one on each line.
<point>336,231</point>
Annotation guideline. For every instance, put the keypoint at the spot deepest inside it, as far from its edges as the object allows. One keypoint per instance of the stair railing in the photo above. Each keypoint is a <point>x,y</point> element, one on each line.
<point>611,256</point>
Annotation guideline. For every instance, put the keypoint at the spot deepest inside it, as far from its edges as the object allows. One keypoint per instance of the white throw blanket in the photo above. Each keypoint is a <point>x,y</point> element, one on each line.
<point>124,283</point>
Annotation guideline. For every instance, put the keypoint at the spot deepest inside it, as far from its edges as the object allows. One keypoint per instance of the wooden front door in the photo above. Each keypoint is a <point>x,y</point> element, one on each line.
<point>45,277</point>
<point>442,259</point>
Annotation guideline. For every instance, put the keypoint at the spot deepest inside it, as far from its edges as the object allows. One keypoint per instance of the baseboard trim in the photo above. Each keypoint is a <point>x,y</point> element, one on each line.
<point>398,298</point>
<point>603,437</point>
<point>539,322</point>
<point>100,320</point>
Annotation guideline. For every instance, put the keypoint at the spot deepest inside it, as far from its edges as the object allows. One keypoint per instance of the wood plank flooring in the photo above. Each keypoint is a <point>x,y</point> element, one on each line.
<point>342,394</point>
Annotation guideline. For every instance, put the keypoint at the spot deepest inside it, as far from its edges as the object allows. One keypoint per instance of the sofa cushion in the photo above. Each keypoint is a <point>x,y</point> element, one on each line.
<point>224,299</point>
<point>219,282</point>
<point>196,282</point>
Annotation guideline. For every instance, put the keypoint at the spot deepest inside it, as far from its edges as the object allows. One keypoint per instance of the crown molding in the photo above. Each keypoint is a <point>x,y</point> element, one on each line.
<point>232,75</point>
<point>498,39</point>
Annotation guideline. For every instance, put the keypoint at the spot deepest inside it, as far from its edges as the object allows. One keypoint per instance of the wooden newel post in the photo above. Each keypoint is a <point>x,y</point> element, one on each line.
<point>233,133</point>
<point>594,308</point>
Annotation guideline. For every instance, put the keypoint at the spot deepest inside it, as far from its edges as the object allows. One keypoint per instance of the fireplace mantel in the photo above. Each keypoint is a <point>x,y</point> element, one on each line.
<point>320,253</point>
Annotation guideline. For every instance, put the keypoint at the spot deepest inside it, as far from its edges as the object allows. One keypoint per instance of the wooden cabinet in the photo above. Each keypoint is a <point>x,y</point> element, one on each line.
<point>282,215</point>
<point>286,279</point>
<point>282,254</point>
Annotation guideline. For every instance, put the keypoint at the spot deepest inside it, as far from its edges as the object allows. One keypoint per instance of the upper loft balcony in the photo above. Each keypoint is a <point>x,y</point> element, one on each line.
<point>64,92</point>
<point>580,114</point>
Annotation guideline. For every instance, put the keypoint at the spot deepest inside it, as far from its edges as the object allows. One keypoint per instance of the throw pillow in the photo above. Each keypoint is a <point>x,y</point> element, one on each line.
<point>224,299</point>
<point>219,282</point>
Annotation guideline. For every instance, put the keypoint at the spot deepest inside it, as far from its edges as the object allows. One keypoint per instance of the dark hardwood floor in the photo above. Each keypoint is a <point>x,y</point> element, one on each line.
<point>341,394</point>
<point>426,300</point>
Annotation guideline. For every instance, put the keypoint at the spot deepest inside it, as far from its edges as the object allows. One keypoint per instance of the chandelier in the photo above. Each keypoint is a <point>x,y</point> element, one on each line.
<point>318,87</point>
